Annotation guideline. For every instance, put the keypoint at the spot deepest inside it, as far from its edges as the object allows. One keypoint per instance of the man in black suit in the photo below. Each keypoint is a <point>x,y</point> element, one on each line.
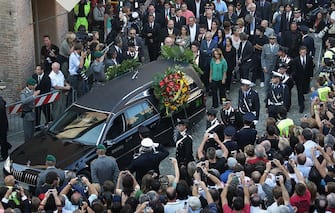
<point>179,20</point>
<point>170,30</point>
<point>119,49</point>
<point>193,29</point>
<point>264,9</point>
<point>137,40</point>
<point>208,18</point>
<point>240,10</point>
<point>197,7</point>
<point>286,18</point>
<point>230,15</point>
<point>44,85</point>
<point>3,130</point>
<point>302,72</point>
<point>244,55</point>
<point>307,41</point>
<point>151,33</point>
<point>159,19</point>
<point>292,39</point>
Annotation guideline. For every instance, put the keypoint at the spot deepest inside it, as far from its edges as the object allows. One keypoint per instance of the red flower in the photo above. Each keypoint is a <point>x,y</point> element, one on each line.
<point>171,84</point>
<point>161,83</point>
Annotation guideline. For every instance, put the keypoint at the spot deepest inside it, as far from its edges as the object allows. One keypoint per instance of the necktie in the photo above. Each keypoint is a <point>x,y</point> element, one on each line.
<point>177,19</point>
<point>208,43</point>
<point>303,62</point>
<point>39,79</point>
<point>151,26</point>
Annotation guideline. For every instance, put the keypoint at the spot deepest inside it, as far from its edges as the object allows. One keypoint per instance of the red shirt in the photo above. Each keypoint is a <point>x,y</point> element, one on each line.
<point>256,160</point>
<point>301,202</point>
<point>227,209</point>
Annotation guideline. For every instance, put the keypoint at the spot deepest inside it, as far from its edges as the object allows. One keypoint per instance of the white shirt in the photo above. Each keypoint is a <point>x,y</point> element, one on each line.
<point>209,23</point>
<point>193,32</point>
<point>308,146</point>
<point>197,9</point>
<point>254,209</point>
<point>304,170</point>
<point>74,62</point>
<point>57,79</point>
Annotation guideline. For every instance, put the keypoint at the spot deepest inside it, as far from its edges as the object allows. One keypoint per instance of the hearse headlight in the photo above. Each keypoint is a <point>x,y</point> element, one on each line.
<point>7,165</point>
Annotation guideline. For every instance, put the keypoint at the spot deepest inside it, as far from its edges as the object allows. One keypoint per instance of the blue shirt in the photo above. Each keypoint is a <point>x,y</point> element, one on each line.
<point>74,62</point>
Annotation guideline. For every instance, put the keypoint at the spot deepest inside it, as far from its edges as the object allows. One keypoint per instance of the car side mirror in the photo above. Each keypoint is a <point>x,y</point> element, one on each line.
<point>109,142</point>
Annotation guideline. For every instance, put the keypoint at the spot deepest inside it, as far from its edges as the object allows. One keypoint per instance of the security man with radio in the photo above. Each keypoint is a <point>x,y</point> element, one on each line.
<point>248,100</point>
<point>278,95</point>
<point>27,96</point>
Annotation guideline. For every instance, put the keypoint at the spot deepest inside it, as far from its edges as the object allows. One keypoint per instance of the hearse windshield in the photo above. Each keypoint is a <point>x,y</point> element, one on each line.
<point>79,125</point>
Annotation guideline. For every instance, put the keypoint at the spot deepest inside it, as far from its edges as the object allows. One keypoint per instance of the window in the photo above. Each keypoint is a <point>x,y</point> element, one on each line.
<point>138,113</point>
<point>116,129</point>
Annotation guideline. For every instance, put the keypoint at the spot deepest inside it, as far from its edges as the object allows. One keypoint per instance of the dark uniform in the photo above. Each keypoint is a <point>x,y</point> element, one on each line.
<point>277,96</point>
<point>184,149</point>
<point>3,130</point>
<point>246,135</point>
<point>248,102</point>
<point>228,117</point>
<point>288,81</point>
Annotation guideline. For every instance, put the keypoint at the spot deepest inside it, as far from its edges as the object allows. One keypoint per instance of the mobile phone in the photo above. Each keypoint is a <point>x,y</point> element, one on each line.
<point>233,152</point>
<point>305,115</point>
<point>238,174</point>
<point>211,136</point>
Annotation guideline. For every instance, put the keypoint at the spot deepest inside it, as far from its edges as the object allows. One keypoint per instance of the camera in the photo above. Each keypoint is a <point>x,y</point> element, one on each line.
<point>238,174</point>
<point>277,178</point>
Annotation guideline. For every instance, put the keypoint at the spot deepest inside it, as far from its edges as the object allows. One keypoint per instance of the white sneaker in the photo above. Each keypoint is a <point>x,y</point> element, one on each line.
<point>262,84</point>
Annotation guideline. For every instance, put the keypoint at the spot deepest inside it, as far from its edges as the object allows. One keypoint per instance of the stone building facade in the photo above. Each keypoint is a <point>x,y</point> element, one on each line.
<point>23,24</point>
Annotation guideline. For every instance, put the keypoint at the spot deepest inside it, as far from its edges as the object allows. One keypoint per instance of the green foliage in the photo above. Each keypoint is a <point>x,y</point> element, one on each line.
<point>125,66</point>
<point>179,54</point>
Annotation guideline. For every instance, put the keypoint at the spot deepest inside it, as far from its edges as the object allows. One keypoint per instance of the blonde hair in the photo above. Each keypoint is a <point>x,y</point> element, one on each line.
<point>70,36</point>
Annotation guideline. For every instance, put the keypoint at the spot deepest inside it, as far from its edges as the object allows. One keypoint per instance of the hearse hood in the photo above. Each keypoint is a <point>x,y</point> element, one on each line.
<point>35,151</point>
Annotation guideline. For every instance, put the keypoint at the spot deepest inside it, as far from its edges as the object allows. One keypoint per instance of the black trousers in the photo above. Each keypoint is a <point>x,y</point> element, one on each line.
<point>215,86</point>
<point>245,70</point>
<point>46,110</point>
<point>153,49</point>
<point>301,88</point>
<point>257,71</point>
<point>5,146</point>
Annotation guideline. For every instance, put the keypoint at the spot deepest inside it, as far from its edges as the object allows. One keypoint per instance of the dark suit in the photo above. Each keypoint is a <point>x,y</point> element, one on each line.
<point>184,150</point>
<point>147,161</point>
<point>277,96</point>
<point>153,40</point>
<point>245,59</point>
<point>308,41</point>
<point>180,23</point>
<point>196,32</point>
<point>292,40</point>
<point>44,85</point>
<point>3,130</point>
<point>265,12</point>
<point>245,136</point>
<point>301,75</point>
<point>138,44</point>
<point>206,57</point>
<point>232,19</point>
<point>158,19</point>
<point>284,23</point>
<point>119,54</point>
<point>165,33</point>
<point>203,20</point>
<point>192,6</point>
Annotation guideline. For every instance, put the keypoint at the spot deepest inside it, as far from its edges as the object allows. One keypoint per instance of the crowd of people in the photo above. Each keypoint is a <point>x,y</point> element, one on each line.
<point>291,168</point>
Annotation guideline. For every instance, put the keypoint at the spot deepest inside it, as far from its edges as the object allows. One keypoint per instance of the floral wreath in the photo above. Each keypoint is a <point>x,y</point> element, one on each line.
<point>172,90</point>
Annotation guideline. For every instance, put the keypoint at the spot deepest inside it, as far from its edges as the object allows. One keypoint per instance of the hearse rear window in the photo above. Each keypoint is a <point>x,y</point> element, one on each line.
<point>138,113</point>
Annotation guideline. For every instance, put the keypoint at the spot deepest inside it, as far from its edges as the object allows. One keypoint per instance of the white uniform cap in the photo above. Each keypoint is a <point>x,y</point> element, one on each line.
<point>276,74</point>
<point>147,142</point>
<point>246,82</point>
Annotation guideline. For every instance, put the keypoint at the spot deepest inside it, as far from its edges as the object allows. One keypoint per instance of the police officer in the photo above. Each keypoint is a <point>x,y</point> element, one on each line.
<point>248,99</point>
<point>228,113</point>
<point>247,134</point>
<point>277,96</point>
<point>287,80</point>
<point>27,96</point>
<point>148,158</point>
<point>184,144</point>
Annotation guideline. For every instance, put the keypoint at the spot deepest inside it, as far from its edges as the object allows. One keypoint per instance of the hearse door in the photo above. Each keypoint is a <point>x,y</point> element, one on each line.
<point>115,139</point>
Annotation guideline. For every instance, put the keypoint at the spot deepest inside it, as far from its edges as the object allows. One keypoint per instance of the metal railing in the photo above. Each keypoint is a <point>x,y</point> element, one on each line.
<point>44,106</point>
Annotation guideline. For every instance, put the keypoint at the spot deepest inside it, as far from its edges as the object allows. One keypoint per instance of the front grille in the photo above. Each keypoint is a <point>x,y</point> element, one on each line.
<point>27,176</point>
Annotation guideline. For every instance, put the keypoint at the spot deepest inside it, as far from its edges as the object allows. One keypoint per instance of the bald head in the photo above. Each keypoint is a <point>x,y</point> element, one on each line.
<point>9,180</point>
<point>55,67</point>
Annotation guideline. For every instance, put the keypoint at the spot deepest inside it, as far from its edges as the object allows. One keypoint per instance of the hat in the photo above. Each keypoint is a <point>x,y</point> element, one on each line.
<point>231,162</point>
<point>225,101</point>
<point>212,112</point>
<point>50,158</point>
<point>182,121</point>
<point>276,74</point>
<point>31,82</point>
<point>131,43</point>
<point>304,29</point>
<point>282,65</point>
<point>243,36</point>
<point>246,82</point>
<point>97,54</point>
<point>249,117</point>
<point>331,168</point>
<point>147,142</point>
<point>194,202</point>
<point>229,131</point>
<point>272,36</point>
<point>297,10</point>
<point>101,146</point>
<point>283,49</point>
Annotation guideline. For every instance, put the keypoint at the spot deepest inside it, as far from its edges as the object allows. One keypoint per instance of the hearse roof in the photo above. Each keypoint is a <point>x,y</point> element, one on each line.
<point>115,93</point>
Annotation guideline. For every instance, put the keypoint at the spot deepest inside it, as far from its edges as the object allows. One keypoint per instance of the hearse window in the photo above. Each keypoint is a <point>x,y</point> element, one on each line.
<point>116,129</point>
<point>138,113</point>
<point>79,125</point>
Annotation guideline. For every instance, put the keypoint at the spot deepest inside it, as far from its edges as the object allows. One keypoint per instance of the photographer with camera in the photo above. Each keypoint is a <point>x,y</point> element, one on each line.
<point>328,57</point>
<point>77,197</point>
<point>76,64</point>
<point>51,201</point>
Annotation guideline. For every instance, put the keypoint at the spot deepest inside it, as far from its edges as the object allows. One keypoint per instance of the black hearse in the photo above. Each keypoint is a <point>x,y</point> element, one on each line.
<point>108,115</point>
